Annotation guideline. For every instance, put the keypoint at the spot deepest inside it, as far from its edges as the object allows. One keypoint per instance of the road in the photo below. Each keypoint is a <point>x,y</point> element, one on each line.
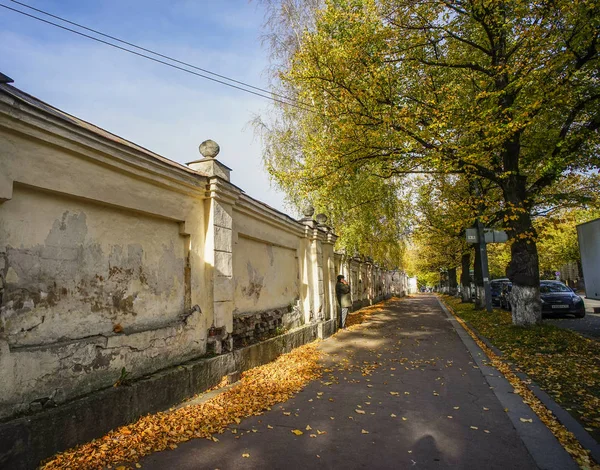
<point>589,326</point>
<point>402,390</point>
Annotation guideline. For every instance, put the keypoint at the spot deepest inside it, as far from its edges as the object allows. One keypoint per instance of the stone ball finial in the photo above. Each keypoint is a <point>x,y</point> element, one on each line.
<point>209,149</point>
<point>321,218</point>
<point>308,210</point>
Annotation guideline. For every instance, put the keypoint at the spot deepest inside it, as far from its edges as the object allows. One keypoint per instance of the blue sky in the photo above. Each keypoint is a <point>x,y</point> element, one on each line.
<point>162,109</point>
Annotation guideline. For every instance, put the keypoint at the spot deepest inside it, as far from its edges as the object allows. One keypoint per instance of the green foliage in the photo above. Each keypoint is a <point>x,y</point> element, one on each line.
<point>505,94</point>
<point>123,378</point>
<point>498,259</point>
<point>557,234</point>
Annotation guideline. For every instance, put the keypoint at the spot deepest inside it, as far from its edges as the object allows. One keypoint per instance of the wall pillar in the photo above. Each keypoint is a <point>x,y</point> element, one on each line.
<point>218,253</point>
<point>308,273</point>
<point>329,277</point>
<point>218,247</point>
<point>317,264</point>
<point>327,269</point>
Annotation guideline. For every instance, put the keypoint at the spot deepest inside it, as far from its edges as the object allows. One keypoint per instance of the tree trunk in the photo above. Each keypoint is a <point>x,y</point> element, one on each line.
<point>524,275</point>
<point>465,277</point>
<point>478,275</point>
<point>523,270</point>
<point>452,281</point>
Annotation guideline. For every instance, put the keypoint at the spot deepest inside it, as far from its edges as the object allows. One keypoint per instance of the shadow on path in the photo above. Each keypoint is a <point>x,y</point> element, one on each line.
<point>399,391</point>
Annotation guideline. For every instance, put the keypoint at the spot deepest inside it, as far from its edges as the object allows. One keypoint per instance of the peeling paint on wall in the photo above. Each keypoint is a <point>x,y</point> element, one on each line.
<point>70,271</point>
<point>255,283</point>
<point>265,276</point>
<point>83,276</point>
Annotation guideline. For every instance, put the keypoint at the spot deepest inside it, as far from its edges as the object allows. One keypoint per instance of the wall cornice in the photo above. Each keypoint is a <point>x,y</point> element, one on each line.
<point>260,211</point>
<point>21,118</point>
<point>222,190</point>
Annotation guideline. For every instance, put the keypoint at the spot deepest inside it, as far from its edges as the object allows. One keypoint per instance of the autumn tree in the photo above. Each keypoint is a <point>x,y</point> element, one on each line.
<point>503,92</point>
<point>439,238</point>
<point>558,243</point>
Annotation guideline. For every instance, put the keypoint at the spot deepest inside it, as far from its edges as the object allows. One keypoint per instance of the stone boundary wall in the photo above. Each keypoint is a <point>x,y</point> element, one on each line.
<point>26,441</point>
<point>101,258</point>
<point>116,262</point>
<point>252,327</point>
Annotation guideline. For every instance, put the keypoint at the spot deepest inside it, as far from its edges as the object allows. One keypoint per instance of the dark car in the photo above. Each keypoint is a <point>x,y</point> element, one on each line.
<point>504,297</point>
<point>496,289</point>
<point>557,298</point>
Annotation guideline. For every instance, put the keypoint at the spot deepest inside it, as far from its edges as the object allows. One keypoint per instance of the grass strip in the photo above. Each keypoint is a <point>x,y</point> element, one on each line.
<point>549,355</point>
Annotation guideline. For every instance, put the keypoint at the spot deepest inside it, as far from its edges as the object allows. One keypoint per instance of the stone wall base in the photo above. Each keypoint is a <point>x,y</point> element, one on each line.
<point>249,328</point>
<point>25,441</point>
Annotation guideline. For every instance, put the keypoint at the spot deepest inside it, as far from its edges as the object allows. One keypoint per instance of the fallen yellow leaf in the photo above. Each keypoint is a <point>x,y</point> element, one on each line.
<point>526,420</point>
<point>297,432</point>
<point>245,455</point>
<point>364,432</point>
<point>360,412</point>
<point>259,389</point>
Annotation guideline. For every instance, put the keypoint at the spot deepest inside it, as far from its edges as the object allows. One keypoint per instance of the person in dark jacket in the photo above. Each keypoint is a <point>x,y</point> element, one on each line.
<point>342,292</point>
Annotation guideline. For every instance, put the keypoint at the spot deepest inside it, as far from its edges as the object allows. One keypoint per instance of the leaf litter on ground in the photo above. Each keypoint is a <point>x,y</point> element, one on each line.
<point>258,390</point>
<point>568,361</point>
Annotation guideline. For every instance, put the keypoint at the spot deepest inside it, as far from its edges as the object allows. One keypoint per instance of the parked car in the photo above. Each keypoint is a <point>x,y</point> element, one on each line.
<point>496,288</point>
<point>504,297</point>
<point>557,298</point>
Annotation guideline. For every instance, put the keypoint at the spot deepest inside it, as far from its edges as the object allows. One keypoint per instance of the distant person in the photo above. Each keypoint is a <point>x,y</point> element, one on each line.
<point>342,292</point>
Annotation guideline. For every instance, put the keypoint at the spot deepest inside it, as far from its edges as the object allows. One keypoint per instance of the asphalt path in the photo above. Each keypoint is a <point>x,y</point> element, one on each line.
<point>400,391</point>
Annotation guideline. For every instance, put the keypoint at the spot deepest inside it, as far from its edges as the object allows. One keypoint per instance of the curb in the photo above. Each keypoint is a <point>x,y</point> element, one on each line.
<point>544,448</point>
<point>562,415</point>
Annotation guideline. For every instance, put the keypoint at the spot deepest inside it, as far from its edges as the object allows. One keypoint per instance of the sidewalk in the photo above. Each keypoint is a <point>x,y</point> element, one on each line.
<point>400,391</point>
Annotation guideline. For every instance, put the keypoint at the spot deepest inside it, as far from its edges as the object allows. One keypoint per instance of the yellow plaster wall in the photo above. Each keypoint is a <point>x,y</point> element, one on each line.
<point>265,276</point>
<point>78,268</point>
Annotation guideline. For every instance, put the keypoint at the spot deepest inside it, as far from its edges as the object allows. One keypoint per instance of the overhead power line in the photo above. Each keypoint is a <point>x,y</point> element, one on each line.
<point>100,33</point>
<point>271,96</point>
